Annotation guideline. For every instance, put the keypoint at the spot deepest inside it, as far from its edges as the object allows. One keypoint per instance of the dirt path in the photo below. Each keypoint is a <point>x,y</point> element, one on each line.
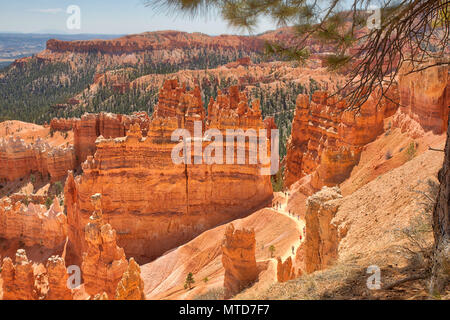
<point>300,224</point>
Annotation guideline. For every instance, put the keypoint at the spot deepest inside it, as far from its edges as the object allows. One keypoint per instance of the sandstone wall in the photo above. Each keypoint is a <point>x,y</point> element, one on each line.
<point>154,204</point>
<point>238,259</point>
<point>285,270</point>
<point>57,280</point>
<point>424,100</point>
<point>62,124</point>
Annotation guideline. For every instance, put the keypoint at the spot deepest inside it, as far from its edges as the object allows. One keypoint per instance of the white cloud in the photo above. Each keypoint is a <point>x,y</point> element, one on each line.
<point>50,10</point>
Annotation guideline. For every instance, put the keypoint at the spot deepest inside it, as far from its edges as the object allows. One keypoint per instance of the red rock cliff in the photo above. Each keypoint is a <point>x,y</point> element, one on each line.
<point>424,100</point>
<point>21,281</point>
<point>131,286</point>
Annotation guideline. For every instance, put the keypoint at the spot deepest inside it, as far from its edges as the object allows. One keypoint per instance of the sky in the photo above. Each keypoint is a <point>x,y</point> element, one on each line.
<point>104,17</point>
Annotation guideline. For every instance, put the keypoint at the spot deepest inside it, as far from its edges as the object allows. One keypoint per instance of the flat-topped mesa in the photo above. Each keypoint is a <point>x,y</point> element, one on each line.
<point>19,159</point>
<point>239,261</point>
<point>104,262</point>
<point>424,100</point>
<point>33,224</point>
<point>159,41</point>
<point>183,200</point>
<point>327,139</point>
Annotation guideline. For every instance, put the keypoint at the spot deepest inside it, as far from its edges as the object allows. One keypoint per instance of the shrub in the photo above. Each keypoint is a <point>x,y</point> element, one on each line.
<point>213,294</point>
<point>48,202</point>
<point>411,150</point>
<point>388,155</point>
<point>59,187</point>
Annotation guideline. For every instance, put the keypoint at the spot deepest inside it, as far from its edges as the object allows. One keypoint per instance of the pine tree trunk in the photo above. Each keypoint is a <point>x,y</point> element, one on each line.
<point>441,228</point>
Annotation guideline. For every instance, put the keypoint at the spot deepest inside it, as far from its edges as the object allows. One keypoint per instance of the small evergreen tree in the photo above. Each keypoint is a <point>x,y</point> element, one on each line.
<point>272,250</point>
<point>189,281</point>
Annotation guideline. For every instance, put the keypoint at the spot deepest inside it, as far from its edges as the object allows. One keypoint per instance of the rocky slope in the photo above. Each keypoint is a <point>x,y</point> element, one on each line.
<point>164,277</point>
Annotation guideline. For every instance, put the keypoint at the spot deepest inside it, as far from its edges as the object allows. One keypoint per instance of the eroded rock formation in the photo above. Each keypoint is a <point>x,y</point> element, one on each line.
<point>320,248</point>
<point>103,262</point>
<point>327,139</point>
<point>285,270</point>
<point>18,278</point>
<point>153,203</point>
<point>33,224</point>
<point>131,286</point>
<point>19,159</point>
<point>57,280</point>
<point>238,259</point>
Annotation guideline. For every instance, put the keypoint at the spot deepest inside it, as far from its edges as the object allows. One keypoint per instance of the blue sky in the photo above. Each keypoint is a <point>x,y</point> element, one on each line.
<point>103,17</point>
